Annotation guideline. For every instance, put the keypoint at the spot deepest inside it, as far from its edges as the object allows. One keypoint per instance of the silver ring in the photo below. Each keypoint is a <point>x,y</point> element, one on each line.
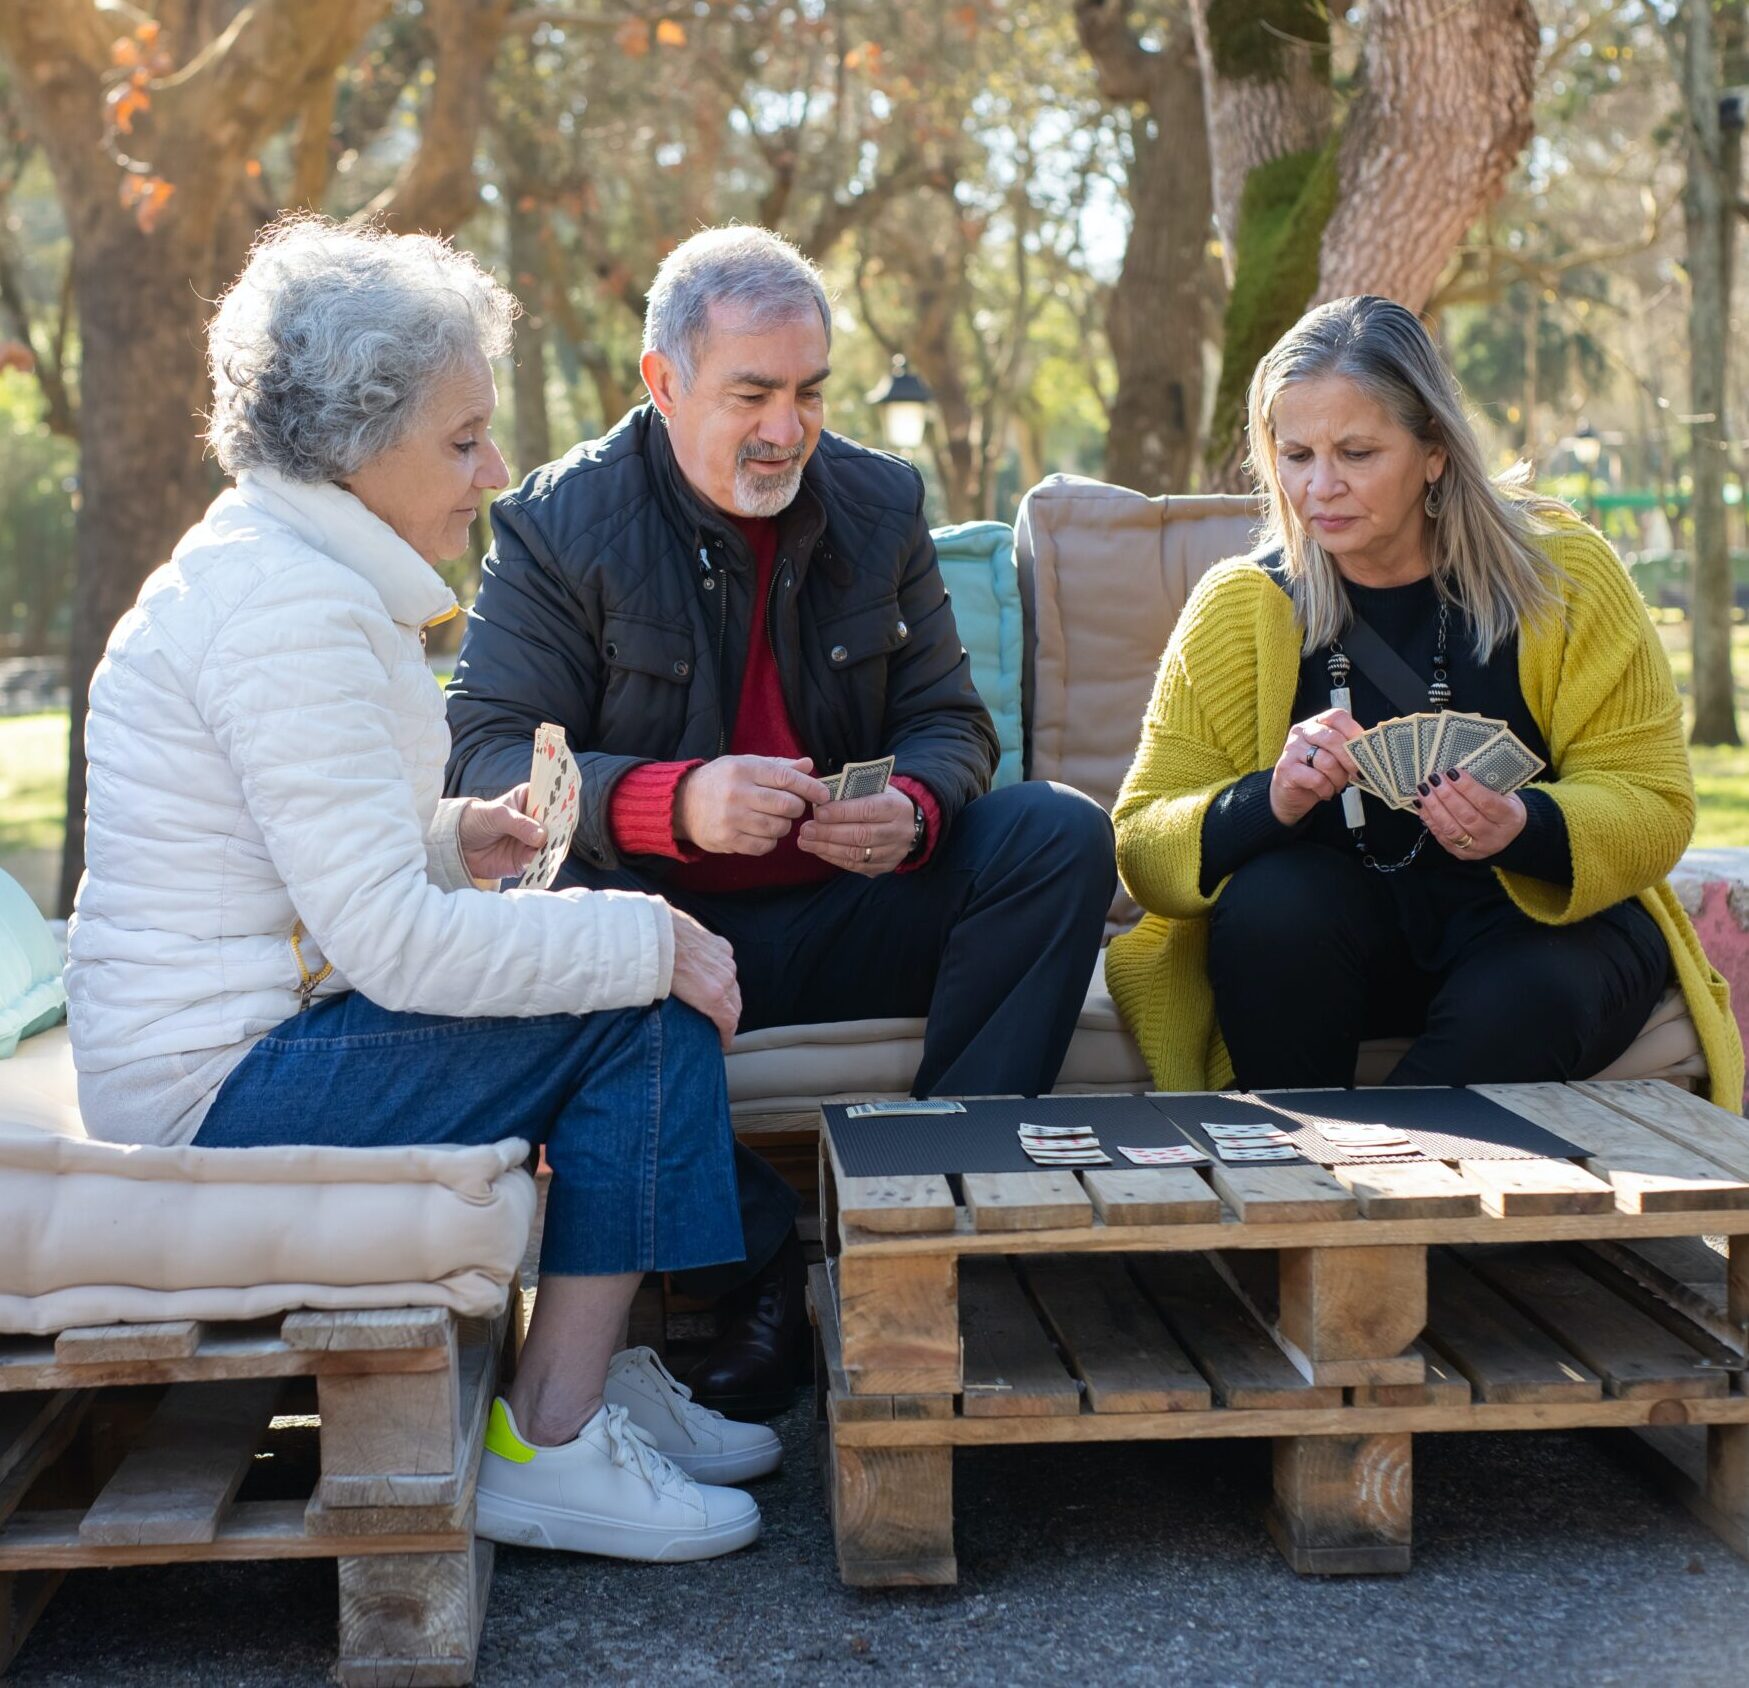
<point>867,854</point>
<point>1312,756</point>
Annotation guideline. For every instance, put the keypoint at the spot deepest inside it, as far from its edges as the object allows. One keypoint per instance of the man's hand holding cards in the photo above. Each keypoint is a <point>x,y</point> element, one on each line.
<point>866,826</point>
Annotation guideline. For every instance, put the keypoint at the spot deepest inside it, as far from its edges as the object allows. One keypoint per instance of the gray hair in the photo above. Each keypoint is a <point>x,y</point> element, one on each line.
<point>324,349</point>
<point>750,269</point>
<point>1481,544</point>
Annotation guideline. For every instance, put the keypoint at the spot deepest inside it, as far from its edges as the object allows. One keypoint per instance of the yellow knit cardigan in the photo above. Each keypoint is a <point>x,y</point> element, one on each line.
<point>1598,685</point>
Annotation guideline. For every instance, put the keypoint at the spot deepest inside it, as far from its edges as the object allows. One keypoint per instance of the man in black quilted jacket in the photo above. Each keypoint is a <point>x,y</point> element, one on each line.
<point>720,602</point>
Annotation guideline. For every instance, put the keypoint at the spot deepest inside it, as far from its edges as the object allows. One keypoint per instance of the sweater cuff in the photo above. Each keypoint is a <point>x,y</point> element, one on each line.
<point>445,866</point>
<point>640,813</point>
<point>921,795</point>
<point>1238,825</point>
<point>1543,849</point>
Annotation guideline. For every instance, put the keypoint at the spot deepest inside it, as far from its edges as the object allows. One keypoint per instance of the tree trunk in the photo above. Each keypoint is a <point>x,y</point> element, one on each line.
<point>1705,215</point>
<point>1443,109</point>
<point>1155,317</point>
<point>1443,113</point>
<point>534,438</point>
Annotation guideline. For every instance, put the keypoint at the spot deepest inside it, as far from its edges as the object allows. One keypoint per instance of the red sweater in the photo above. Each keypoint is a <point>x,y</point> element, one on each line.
<point>641,811</point>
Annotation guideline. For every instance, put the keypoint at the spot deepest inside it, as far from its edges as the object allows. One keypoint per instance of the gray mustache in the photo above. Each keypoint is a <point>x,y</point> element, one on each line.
<point>759,454</point>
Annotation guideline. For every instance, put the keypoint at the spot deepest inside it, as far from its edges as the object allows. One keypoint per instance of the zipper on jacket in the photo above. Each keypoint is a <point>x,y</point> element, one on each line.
<point>710,585</point>
<point>307,981</point>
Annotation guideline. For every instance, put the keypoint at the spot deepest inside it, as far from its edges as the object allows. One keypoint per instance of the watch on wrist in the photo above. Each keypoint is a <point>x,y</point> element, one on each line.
<point>919,831</point>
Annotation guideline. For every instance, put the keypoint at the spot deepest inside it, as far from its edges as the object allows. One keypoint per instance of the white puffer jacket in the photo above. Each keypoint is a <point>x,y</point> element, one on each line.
<point>266,748</point>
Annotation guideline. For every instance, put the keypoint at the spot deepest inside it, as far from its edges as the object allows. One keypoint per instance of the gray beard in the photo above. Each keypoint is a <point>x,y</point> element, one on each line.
<point>760,495</point>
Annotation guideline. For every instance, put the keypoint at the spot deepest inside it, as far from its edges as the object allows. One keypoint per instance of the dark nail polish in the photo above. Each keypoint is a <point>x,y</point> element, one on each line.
<point>1452,774</point>
<point>1422,788</point>
<point>1433,779</point>
<point>1415,803</point>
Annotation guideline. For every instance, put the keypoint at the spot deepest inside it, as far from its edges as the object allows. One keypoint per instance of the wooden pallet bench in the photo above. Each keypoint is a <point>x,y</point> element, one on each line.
<point>139,1445</point>
<point>1335,1312</point>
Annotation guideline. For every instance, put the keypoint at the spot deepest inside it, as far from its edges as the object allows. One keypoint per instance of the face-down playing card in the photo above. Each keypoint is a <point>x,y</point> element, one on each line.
<point>554,797</point>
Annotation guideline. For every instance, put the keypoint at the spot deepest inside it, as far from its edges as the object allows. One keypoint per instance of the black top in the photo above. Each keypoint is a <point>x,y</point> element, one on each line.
<point>1438,892</point>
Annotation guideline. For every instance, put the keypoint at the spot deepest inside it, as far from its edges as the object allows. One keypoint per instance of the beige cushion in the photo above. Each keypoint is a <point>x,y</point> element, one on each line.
<point>1104,575</point>
<point>101,1233</point>
<point>791,1069</point>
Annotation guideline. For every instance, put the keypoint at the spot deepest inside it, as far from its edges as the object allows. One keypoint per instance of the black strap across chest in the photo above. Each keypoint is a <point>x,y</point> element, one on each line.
<point>1369,652</point>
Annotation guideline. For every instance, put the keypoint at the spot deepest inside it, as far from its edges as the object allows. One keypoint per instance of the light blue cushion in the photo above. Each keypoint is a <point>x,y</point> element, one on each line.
<point>32,997</point>
<point>977,562</point>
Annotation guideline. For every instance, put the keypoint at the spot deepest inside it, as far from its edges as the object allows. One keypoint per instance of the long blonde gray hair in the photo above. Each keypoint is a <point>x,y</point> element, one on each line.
<point>1481,544</point>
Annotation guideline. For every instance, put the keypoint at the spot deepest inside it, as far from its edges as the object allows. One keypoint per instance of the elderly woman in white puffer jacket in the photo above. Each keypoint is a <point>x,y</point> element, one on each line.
<point>285,936</point>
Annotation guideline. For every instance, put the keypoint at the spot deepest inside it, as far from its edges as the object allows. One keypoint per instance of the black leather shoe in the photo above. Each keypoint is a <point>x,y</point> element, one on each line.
<point>763,1346</point>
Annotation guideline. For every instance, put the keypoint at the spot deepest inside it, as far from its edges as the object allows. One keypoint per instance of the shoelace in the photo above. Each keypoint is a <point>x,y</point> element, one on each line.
<point>629,1447</point>
<point>649,1358</point>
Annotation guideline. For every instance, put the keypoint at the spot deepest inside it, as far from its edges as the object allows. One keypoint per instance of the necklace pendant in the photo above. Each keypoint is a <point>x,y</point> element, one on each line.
<point>1338,664</point>
<point>1439,693</point>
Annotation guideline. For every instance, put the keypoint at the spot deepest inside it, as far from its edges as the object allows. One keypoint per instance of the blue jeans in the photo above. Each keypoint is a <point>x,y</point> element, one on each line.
<point>630,1104</point>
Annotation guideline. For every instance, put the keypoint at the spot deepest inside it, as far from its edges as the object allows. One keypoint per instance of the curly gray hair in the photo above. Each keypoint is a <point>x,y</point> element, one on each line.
<point>324,348</point>
<point>750,269</point>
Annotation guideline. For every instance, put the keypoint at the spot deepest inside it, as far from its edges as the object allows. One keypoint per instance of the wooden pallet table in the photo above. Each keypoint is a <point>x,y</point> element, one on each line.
<point>1335,1312</point>
<point>132,1445</point>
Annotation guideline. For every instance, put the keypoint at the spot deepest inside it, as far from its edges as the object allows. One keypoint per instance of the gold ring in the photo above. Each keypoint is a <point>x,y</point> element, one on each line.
<point>1465,842</point>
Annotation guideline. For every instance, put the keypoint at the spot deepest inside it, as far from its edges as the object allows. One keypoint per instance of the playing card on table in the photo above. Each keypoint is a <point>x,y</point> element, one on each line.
<point>1068,1157</point>
<point>1503,764</point>
<point>1028,1130</point>
<point>1086,1141</point>
<point>554,795</point>
<point>1361,1133</point>
<point>861,779</point>
<point>1235,1152</point>
<point>1175,1154</point>
<point>883,1110</point>
<point>1242,1131</point>
<point>1460,736</point>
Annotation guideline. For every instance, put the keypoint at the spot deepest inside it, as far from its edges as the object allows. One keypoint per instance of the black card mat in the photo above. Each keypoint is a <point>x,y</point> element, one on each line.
<point>1443,1124</point>
<point>984,1138</point>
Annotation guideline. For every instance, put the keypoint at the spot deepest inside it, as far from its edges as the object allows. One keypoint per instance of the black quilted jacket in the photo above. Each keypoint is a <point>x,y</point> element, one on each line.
<point>617,603</point>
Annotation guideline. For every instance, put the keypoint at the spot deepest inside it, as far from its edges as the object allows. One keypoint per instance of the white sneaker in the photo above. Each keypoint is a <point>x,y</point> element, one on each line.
<point>706,1446</point>
<point>608,1492</point>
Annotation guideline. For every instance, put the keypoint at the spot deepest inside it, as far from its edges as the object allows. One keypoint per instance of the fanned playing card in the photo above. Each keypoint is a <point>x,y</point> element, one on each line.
<point>554,797</point>
<point>1503,764</point>
<point>1460,737</point>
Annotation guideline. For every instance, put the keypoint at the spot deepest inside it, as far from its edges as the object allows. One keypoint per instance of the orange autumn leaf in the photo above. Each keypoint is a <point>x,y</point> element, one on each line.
<point>252,168</point>
<point>670,34</point>
<point>147,33</point>
<point>633,37</point>
<point>126,101</point>
<point>146,197</point>
<point>124,51</point>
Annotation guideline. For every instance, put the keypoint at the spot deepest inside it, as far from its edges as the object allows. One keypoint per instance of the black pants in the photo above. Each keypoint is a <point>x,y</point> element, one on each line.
<point>992,942</point>
<point>1307,957</point>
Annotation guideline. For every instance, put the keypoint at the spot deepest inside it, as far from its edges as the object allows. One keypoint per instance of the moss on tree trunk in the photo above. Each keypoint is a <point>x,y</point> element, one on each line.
<point>1282,214</point>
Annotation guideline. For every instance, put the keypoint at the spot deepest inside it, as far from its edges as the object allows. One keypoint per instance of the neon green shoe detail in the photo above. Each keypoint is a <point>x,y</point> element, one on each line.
<point>501,1437</point>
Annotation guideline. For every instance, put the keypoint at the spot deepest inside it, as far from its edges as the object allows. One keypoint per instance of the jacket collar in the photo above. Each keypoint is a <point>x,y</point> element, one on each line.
<point>332,521</point>
<point>801,525</point>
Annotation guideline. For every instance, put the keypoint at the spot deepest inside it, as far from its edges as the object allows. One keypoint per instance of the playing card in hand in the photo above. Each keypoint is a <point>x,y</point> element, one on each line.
<point>1503,764</point>
<point>861,779</point>
<point>1460,737</point>
<point>555,790</point>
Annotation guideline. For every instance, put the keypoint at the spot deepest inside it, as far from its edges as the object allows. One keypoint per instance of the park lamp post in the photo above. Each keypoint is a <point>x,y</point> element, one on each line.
<point>903,402</point>
<point>1587,448</point>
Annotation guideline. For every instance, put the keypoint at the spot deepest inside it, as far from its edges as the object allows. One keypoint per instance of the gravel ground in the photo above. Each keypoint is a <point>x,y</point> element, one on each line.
<point>1541,1558</point>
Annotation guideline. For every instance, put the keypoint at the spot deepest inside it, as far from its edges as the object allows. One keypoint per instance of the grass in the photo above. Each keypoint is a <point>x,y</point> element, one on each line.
<point>33,772</point>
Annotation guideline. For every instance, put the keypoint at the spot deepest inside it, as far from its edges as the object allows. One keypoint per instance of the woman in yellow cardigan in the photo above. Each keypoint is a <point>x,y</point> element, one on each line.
<point>1515,938</point>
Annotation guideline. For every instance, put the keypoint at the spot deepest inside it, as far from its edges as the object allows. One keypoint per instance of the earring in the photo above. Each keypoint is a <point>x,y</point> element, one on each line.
<point>1433,503</point>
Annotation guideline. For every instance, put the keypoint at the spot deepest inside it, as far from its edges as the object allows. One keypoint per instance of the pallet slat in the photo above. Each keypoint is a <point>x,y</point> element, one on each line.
<point>1011,1369</point>
<point>1650,1174</point>
<point>1702,1127</point>
<point>1117,1344</point>
<point>90,1345</point>
<point>1516,1189</point>
<point>1228,1346</point>
<point>1290,1194</point>
<point>1151,1195</point>
<point>178,1479</point>
<point>1410,1190</point>
<point>1504,1355</point>
<point>1026,1201</point>
<point>363,1330</point>
<point>1634,1355</point>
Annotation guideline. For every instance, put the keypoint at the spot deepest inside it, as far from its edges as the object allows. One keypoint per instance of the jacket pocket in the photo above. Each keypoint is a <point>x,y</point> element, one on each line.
<point>876,630</point>
<point>648,647</point>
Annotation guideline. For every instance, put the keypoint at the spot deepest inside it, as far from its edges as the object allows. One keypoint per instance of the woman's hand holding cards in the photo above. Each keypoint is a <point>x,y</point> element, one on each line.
<point>1468,820</point>
<point>497,840</point>
<point>1314,764</point>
